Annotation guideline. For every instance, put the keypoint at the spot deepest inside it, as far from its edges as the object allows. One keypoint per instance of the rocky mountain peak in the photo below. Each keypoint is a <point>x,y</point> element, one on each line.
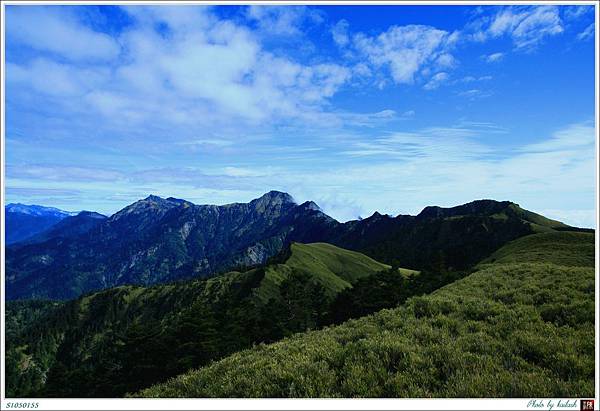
<point>154,198</point>
<point>151,205</point>
<point>272,201</point>
<point>277,196</point>
<point>310,205</point>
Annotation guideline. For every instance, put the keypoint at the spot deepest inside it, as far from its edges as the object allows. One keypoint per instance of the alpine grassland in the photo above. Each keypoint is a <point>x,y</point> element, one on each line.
<point>520,325</point>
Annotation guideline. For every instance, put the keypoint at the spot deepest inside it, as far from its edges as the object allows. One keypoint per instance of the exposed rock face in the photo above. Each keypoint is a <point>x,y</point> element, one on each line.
<point>157,240</point>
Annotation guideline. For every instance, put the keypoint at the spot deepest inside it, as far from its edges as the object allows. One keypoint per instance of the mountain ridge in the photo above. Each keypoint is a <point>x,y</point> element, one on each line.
<point>159,240</point>
<point>156,240</point>
<point>35,209</point>
<point>69,226</point>
<point>25,221</point>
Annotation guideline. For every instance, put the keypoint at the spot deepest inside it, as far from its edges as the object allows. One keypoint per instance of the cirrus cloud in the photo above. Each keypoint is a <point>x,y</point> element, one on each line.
<point>527,26</point>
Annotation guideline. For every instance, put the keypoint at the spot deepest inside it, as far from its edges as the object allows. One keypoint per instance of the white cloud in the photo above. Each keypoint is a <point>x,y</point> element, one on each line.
<point>446,61</point>
<point>575,12</point>
<point>428,142</point>
<point>526,26</point>
<point>340,33</point>
<point>372,119</point>
<point>208,82</point>
<point>227,66</point>
<point>576,136</point>
<point>184,18</point>
<point>54,30</point>
<point>362,70</point>
<point>436,81</point>
<point>282,20</point>
<point>474,93</point>
<point>400,172</point>
<point>245,172</point>
<point>43,172</point>
<point>449,166</point>
<point>586,34</point>
<point>60,80</point>
<point>494,57</point>
<point>217,142</point>
<point>405,49</point>
<point>204,71</point>
<point>385,114</point>
<point>471,79</point>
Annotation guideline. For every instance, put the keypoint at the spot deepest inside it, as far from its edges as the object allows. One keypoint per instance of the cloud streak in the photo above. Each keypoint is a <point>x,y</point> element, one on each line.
<point>398,173</point>
<point>587,34</point>
<point>494,57</point>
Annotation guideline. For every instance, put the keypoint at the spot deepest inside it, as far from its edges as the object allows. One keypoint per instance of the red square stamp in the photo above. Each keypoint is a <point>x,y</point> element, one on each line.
<point>586,405</point>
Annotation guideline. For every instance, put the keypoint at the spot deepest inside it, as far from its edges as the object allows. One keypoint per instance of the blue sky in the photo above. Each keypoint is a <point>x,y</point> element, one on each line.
<point>358,108</point>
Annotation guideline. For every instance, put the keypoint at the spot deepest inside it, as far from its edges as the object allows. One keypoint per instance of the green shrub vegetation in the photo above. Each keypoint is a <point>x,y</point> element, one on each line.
<point>521,325</point>
<point>127,338</point>
<point>561,248</point>
<point>385,289</point>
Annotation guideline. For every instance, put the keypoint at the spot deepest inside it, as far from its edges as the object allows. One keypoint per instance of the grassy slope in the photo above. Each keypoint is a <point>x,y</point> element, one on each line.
<point>95,317</point>
<point>521,326</point>
<point>538,222</point>
<point>561,248</point>
<point>335,268</point>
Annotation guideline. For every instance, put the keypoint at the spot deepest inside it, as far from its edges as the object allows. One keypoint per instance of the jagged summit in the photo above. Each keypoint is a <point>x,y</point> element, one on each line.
<point>272,201</point>
<point>177,200</point>
<point>272,196</point>
<point>276,196</point>
<point>311,205</point>
<point>151,205</point>
<point>153,197</point>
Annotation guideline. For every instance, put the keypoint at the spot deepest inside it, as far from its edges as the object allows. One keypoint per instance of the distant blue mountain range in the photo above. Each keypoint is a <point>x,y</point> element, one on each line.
<point>24,221</point>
